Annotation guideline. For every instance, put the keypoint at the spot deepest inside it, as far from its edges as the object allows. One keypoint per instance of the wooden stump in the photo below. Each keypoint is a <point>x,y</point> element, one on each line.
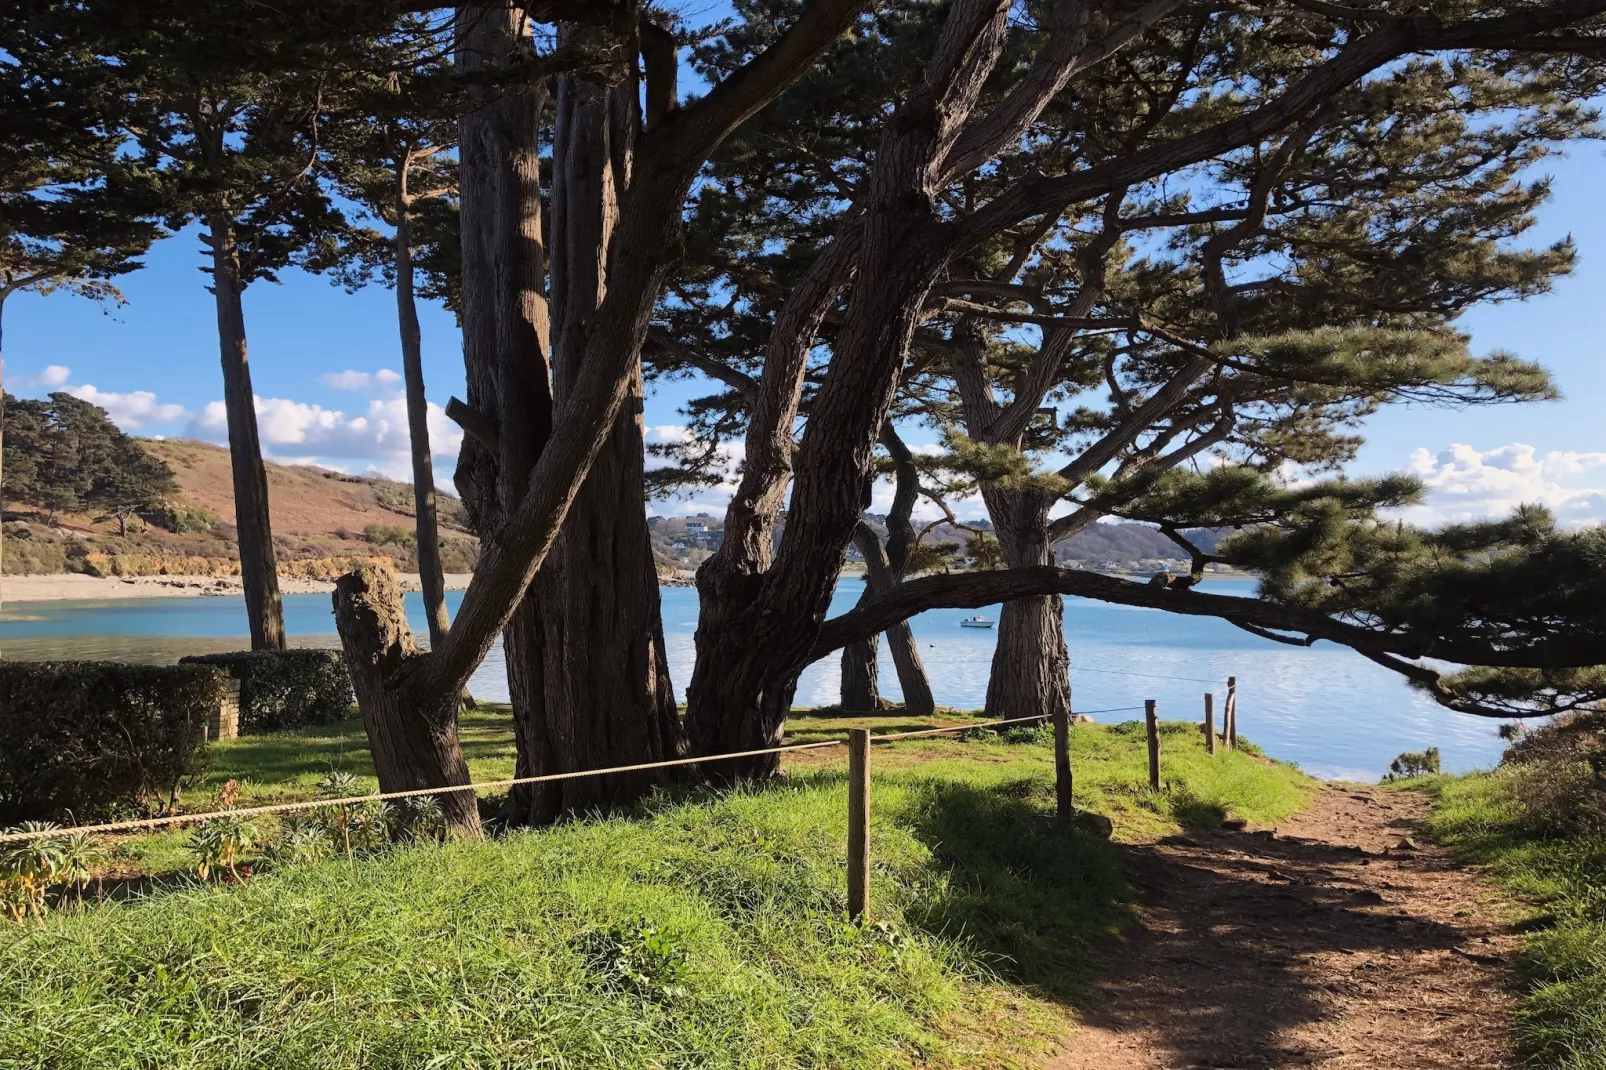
<point>413,739</point>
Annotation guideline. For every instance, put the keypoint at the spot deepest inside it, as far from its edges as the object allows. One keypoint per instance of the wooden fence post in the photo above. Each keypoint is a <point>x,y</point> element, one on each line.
<point>1210,723</point>
<point>858,823</point>
<point>1229,716</point>
<point>1152,723</point>
<point>1062,765</point>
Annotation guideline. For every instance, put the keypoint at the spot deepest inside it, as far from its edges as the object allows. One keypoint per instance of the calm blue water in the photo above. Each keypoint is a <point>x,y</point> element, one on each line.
<point>1333,712</point>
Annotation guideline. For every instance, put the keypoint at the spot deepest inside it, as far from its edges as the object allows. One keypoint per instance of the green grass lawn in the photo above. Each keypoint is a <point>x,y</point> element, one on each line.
<point>1562,881</point>
<point>701,929</point>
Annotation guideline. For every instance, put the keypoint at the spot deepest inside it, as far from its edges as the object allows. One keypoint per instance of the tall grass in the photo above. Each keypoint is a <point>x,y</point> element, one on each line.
<point>701,930</point>
<point>1561,1024</point>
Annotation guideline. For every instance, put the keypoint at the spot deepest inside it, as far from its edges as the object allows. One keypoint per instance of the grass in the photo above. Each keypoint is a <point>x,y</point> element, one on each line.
<point>700,929</point>
<point>1562,882</point>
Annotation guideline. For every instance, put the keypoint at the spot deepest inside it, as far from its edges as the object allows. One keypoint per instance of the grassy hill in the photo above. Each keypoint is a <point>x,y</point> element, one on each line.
<point>321,518</point>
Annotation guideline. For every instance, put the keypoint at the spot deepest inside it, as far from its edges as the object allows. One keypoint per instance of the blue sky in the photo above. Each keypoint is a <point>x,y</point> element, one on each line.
<point>323,364</point>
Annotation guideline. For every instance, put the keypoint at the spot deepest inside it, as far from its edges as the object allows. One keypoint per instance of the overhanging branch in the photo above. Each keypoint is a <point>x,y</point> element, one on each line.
<point>970,590</point>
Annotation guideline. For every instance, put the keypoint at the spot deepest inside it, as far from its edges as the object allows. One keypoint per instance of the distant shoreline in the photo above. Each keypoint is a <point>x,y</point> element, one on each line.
<point>76,587</point>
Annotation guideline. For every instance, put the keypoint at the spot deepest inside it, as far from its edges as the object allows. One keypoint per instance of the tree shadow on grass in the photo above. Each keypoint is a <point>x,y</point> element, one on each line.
<point>1035,896</point>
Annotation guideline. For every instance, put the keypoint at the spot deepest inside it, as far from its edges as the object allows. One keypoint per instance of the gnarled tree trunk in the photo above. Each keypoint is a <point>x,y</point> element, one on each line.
<point>597,688</point>
<point>1030,672</point>
<point>258,570</point>
<point>412,747</point>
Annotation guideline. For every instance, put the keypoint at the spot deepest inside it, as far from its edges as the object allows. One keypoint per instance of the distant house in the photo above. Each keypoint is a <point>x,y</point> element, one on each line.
<point>696,527</point>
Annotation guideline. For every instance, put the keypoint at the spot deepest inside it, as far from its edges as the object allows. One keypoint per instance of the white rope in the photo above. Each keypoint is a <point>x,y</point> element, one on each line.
<point>315,804</point>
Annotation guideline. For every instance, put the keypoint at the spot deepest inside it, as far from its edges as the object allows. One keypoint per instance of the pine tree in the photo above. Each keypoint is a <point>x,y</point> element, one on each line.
<point>390,139</point>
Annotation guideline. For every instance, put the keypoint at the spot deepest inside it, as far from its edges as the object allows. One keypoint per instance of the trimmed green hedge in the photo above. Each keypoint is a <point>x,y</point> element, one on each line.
<point>81,740</point>
<point>282,689</point>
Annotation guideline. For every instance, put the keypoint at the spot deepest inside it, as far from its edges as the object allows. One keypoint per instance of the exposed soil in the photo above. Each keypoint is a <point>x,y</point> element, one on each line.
<point>1326,942</point>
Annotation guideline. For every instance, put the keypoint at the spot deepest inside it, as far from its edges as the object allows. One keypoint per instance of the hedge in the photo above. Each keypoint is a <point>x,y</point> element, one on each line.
<point>82,740</point>
<point>282,689</point>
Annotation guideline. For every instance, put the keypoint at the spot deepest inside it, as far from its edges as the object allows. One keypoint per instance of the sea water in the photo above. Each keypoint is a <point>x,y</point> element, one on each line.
<point>1326,708</point>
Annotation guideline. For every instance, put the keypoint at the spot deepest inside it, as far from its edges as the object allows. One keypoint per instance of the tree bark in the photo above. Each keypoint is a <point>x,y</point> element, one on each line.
<point>506,332</point>
<point>426,524</point>
<point>258,568</point>
<point>1030,670</point>
<point>860,671</point>
<point>597,691</point>
<point>413,747</point>
<point>881,575</point>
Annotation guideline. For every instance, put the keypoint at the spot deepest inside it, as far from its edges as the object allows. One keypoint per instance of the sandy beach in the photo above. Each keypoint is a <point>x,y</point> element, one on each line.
<point>76,587</point>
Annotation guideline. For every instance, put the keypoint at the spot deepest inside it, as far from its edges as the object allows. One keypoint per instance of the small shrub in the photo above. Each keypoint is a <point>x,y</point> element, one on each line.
<point>282,689</point>
<point>301,840</point>
<point>392,534</point>
<point>1414,764</point>
<point>1028,733</point>
<point>182,521</point>
<point>83,739</point>
<point>220,842</point>
<point>1557,773</point>
<point>27,870</point>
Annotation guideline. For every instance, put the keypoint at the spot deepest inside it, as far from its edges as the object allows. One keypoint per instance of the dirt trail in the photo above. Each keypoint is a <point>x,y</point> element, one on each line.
<point>1321,944</point>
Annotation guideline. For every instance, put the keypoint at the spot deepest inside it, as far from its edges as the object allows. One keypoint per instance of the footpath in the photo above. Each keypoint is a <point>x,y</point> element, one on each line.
<point>1339,940</point>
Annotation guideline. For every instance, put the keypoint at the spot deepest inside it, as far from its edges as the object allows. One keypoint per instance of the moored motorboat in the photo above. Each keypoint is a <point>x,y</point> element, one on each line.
<point>976,622</point>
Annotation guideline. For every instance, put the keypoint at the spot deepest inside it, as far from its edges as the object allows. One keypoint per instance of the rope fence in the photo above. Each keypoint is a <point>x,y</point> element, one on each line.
<point>858,742</point>
<point>350,800</point>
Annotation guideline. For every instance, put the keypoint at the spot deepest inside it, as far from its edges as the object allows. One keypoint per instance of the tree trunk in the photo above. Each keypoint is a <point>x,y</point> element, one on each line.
<point>425,522</point>
<point>1030,672</point>
<point>881,576</point>
<point>597,691</point>
<point>3,295</point>
<point>413,746</point>
<point>505,327</point>
<point>258,569</point>
<point>860,671</point>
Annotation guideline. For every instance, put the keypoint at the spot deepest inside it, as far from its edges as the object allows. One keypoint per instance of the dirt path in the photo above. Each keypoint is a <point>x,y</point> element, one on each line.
<point>1321,944</point>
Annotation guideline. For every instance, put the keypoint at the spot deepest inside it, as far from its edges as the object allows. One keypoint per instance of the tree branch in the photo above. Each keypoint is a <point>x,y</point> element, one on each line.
<point>968,590</point>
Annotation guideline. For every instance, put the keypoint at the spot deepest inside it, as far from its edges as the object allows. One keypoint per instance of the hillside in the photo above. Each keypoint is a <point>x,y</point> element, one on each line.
<point>322,521</point>
<point>304,500</point>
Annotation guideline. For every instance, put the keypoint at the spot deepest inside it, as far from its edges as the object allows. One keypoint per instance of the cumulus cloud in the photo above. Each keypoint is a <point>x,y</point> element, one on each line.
<point>383,379</point>
<point>295,432</point>
<point>53,375</point>
<point>130,411</point>
<point>1465,483</point>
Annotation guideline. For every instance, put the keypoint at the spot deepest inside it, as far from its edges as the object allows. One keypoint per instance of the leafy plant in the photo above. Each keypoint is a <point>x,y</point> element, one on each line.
<point>418,818</point>
<point>219,844</point>
<point>27,870</point>
<point>81,856</point>
<point>1027,733</point>
<point>301,840</point>
<point>638,956</point>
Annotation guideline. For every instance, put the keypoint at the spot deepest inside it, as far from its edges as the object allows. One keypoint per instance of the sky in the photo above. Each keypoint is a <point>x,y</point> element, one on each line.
<point>325,369</point>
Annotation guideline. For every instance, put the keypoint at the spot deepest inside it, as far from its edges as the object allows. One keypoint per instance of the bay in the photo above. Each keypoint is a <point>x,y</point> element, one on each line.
<point>1325,708</point>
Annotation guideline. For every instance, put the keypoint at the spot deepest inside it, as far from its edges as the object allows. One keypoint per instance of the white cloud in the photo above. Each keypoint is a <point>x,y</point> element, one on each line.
<point>383,379</point>
<point>1465,483</point>
<point>53,375</point>
<point>129,411</point>
<point>294,432</point>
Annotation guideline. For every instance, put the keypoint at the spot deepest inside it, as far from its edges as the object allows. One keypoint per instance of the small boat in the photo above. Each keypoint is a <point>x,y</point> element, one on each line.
<point>976,622</point>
